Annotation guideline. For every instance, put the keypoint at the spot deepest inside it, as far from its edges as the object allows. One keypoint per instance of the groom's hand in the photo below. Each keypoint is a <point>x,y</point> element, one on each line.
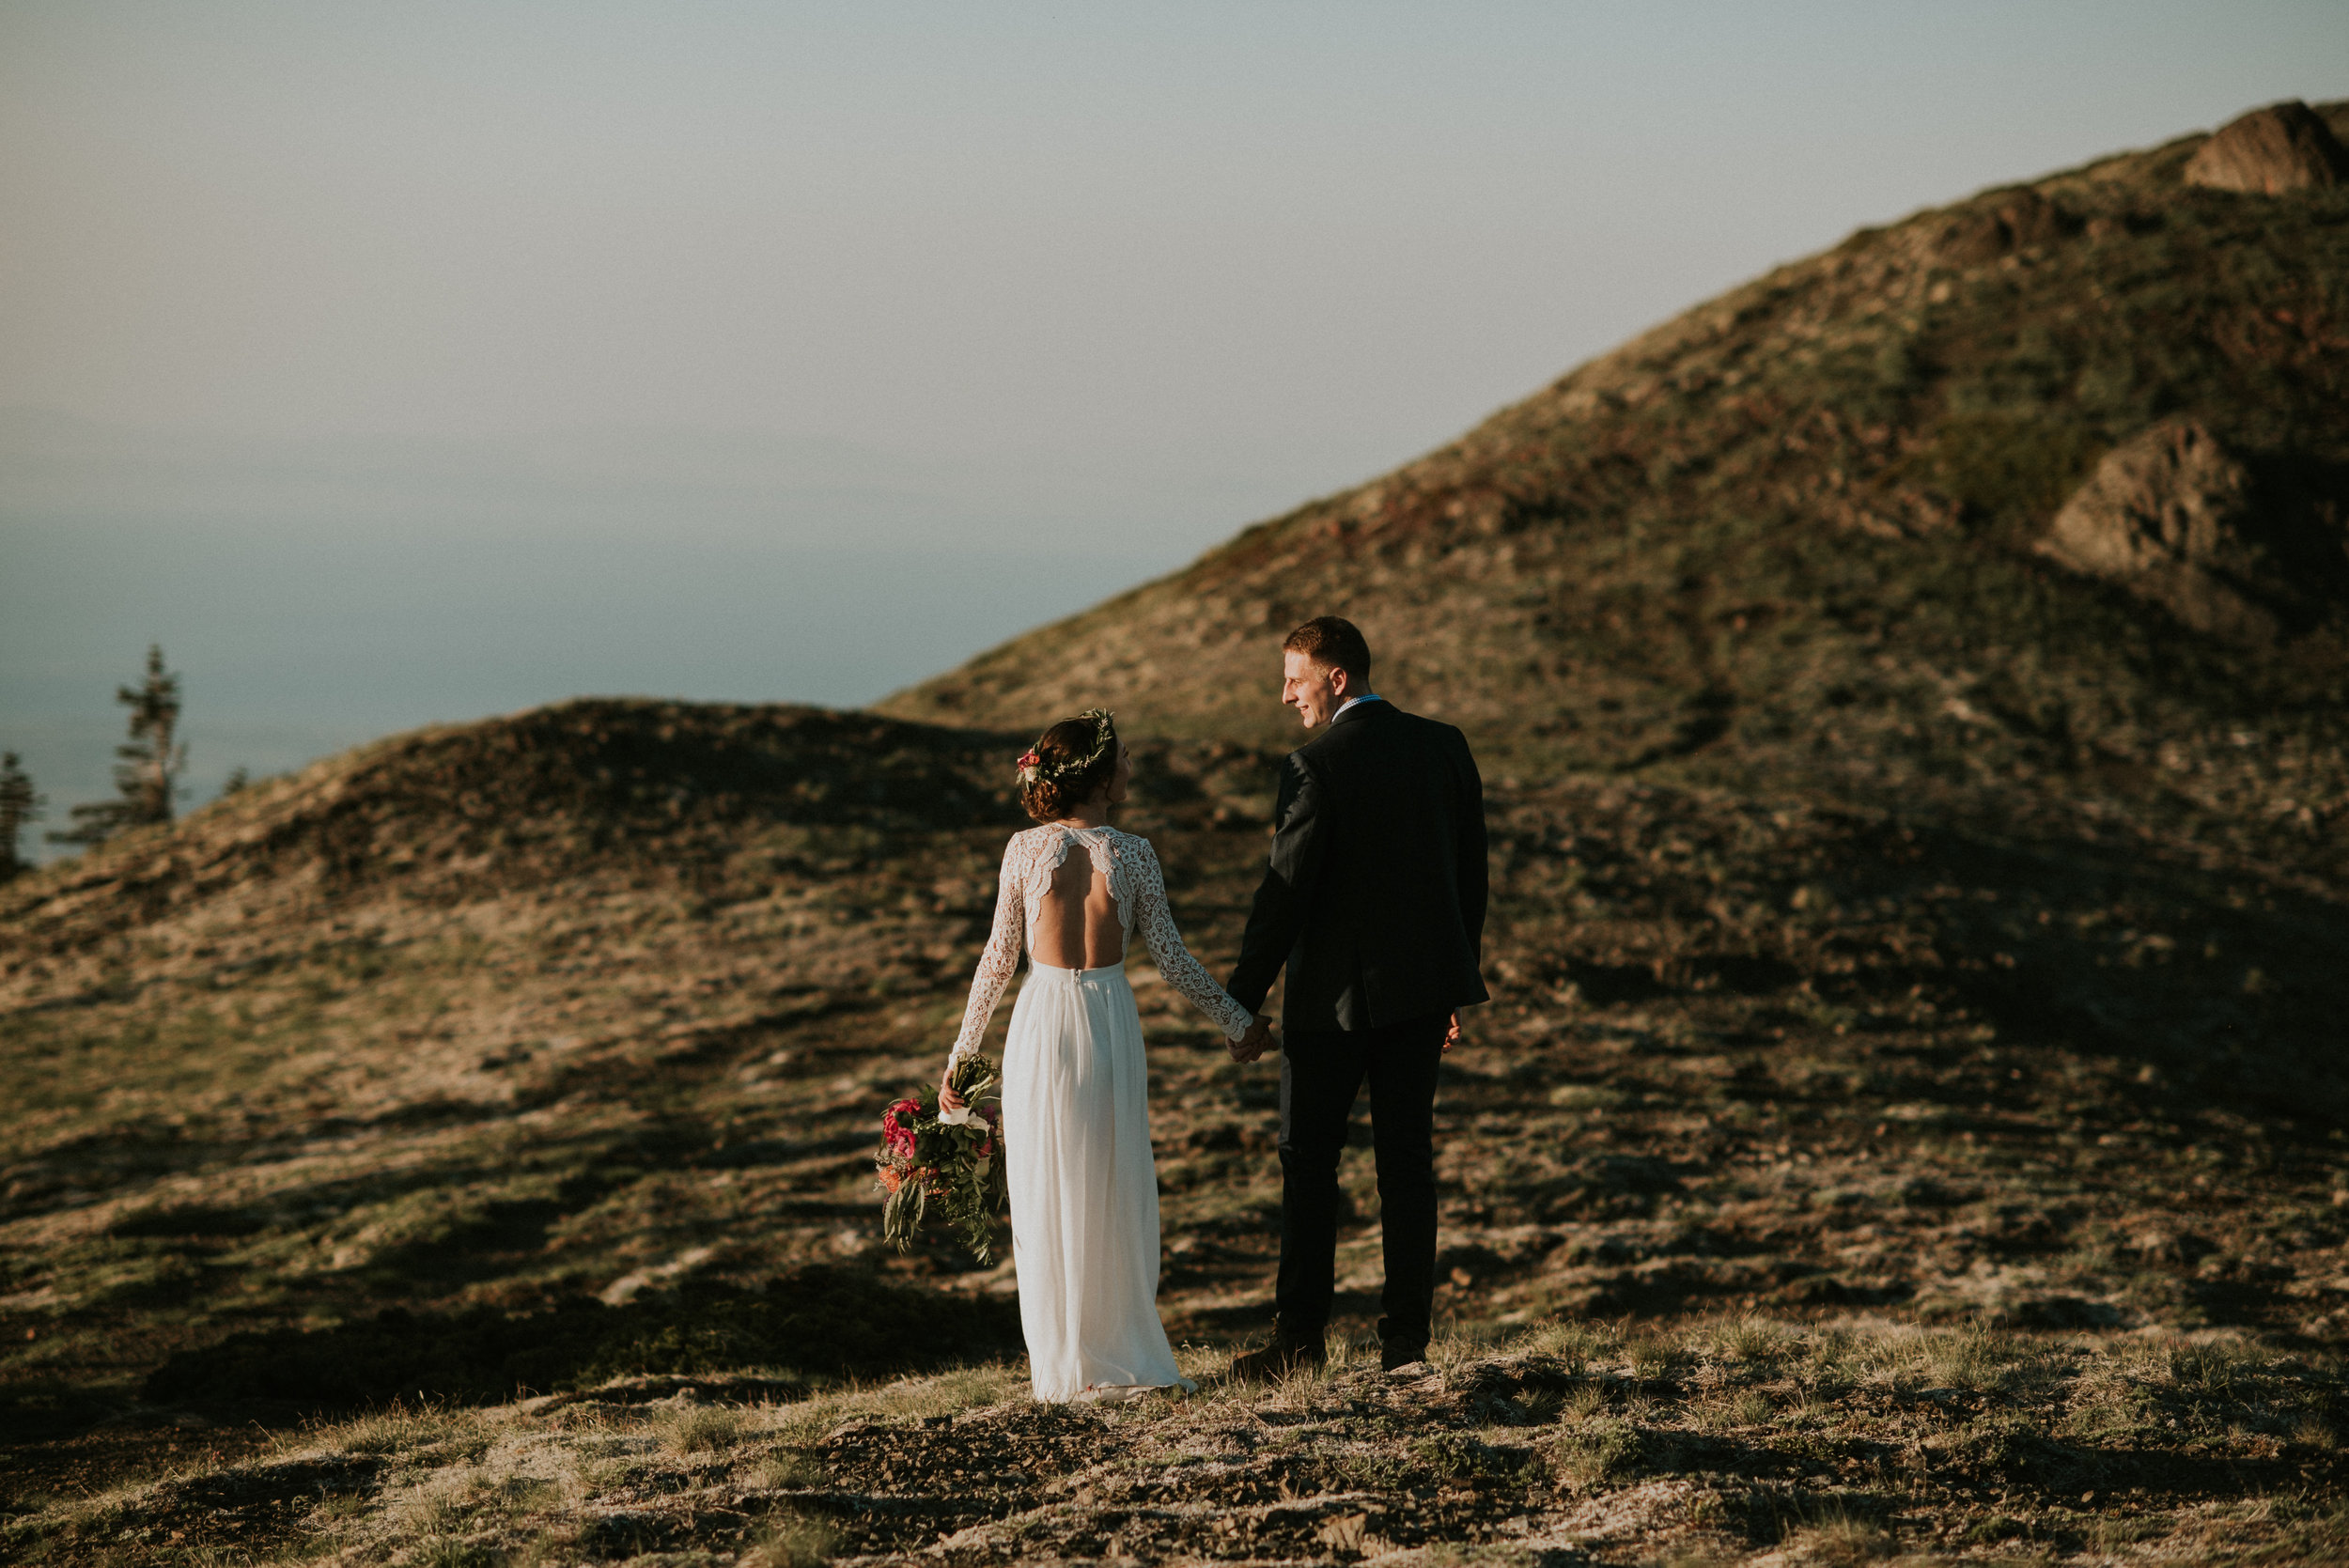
<point>1252,1045</point>
<point>1452,1036</point>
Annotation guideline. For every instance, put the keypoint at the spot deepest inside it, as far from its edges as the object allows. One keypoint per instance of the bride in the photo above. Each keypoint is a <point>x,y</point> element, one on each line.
<point>1084,1190</point>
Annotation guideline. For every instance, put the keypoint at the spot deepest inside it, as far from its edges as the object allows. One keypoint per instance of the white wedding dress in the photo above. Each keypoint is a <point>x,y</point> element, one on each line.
<point>1084,1189</point>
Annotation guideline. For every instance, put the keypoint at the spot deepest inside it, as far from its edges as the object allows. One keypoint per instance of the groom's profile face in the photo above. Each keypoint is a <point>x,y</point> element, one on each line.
<point>1313,689</point>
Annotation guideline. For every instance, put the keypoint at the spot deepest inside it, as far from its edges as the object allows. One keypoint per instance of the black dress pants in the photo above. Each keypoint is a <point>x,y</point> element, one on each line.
<point>1320,1075</point>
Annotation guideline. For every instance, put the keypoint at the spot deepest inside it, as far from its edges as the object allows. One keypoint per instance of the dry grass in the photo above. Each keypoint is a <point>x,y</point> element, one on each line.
<point>1912,1069</point>
<point>790,1541</point>
<point>1840,1541</point>
<point>1518,1444</point>
<point>704,1429</point>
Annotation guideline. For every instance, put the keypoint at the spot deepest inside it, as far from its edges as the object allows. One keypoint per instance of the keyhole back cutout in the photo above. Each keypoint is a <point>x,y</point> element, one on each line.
<point>1077,925</point>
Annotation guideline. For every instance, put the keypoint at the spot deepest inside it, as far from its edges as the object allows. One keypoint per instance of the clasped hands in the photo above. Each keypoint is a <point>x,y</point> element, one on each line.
<point>1259,1039</point>
<point>1255,1042</point>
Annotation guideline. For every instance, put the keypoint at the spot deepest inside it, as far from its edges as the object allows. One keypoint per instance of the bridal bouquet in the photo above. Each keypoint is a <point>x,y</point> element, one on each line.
<point>952,1158</point>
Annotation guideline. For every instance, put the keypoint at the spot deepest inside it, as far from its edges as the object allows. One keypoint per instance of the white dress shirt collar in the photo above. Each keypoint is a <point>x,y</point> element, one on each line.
<point>1365,697</point>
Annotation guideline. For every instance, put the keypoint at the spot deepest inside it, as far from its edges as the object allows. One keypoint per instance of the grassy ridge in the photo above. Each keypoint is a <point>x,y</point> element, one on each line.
<point>1781,544</point>
<point>1922,956</point>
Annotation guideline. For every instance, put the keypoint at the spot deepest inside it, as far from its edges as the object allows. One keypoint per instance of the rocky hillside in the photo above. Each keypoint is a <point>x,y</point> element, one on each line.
<point>2034,503</point>
<point>1910,694</point>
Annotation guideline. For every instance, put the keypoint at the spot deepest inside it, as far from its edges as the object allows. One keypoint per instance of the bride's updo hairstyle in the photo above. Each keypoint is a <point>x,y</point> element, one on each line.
<point>1072,762</point>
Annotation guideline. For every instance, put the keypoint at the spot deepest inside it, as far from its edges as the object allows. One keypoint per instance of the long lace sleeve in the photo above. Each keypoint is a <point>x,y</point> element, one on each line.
<point>1176,967</point>
<point>999,960</point>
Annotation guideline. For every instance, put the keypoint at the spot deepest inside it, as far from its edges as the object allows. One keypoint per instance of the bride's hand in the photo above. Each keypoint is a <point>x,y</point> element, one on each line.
<point>1252,1045</point>
<point>948,1098</point>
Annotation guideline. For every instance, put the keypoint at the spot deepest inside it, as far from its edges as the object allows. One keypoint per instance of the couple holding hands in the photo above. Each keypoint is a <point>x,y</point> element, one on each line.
<point>1373,899</point>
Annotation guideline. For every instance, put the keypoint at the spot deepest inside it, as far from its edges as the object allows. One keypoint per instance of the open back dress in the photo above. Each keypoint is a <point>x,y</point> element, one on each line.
<point>1084,1188</point>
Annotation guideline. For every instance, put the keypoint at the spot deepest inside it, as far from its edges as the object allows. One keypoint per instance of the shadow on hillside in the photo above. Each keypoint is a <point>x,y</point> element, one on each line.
<point>2221,990</point>
<point>2220,986</point>
<point>817,1320</point>
<point>2224,990</point>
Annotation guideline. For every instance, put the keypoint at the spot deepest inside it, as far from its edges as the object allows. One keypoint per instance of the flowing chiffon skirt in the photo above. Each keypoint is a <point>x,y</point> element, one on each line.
<point>1084,1189</point>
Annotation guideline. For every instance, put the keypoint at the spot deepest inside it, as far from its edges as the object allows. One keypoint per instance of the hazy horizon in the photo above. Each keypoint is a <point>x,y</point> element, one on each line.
<point>395,368</point>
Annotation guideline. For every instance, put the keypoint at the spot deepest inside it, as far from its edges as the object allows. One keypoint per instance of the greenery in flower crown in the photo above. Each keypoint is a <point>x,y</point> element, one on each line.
<point>1033,765</point>
<point>958,1162</point>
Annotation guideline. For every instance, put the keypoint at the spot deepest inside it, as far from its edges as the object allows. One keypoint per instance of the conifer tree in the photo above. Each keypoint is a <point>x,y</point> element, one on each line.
<point>147,773</point>
<point>18,806</point>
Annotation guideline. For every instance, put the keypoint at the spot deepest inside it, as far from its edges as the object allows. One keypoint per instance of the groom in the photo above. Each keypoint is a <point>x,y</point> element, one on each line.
<point>1375,900</point>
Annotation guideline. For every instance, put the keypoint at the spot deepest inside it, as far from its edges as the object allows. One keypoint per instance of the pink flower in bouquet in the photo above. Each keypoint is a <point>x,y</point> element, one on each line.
<point>897,1125</point>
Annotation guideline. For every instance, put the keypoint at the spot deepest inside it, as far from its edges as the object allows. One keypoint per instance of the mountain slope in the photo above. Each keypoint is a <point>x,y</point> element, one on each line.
<point>1785,542</point>
<point>1892,920</point>
<point>573,1028</point>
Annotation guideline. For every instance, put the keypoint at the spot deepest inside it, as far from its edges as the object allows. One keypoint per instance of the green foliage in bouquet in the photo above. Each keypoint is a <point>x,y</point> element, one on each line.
<point>952,1159</point>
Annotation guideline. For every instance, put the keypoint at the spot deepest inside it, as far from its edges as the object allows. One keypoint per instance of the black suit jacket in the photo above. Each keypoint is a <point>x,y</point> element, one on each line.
<point>1375,897</point>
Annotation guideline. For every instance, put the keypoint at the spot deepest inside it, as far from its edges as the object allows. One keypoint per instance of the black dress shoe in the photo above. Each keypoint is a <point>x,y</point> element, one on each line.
<point>1400,1353</point>
<point>1276,1360</point>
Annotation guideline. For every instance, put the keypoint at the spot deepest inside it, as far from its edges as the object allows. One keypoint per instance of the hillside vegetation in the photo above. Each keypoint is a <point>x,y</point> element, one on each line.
<point>1911,1116</point>
<point>1785,543</point>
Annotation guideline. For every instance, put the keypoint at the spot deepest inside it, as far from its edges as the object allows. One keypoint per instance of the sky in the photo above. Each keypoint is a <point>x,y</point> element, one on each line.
<point>404,363</point>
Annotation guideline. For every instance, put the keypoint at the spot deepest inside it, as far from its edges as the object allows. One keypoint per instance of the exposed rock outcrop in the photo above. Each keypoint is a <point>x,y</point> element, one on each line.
<point>2284,147</point>
<point>2171,515</point>
<point>1988,229</point>
<point>2168,496</point>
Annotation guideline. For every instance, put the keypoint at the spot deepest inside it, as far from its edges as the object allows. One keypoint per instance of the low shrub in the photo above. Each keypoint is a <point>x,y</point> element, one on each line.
<point>704,1429</point>
<point>790,1541</point>
<point>1597,1450</point>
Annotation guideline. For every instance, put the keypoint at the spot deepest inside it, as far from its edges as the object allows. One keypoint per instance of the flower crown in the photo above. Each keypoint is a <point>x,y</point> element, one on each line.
<point>1033,766</point>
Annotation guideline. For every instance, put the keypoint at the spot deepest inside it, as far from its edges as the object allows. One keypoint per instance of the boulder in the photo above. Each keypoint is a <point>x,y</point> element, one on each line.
<point>2166,515</point>
<point>2284,147</point>
<point>2167,497</point>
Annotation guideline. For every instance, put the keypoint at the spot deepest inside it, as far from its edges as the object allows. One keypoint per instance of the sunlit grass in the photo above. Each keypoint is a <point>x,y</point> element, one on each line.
<point>1560,1411</point>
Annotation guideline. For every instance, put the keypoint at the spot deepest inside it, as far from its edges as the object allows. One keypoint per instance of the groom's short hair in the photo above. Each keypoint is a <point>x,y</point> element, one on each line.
<point>1333,641</point>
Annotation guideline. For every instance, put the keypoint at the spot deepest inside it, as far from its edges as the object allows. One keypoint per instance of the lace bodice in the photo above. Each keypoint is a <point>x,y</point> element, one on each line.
<point>1130,867</point>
